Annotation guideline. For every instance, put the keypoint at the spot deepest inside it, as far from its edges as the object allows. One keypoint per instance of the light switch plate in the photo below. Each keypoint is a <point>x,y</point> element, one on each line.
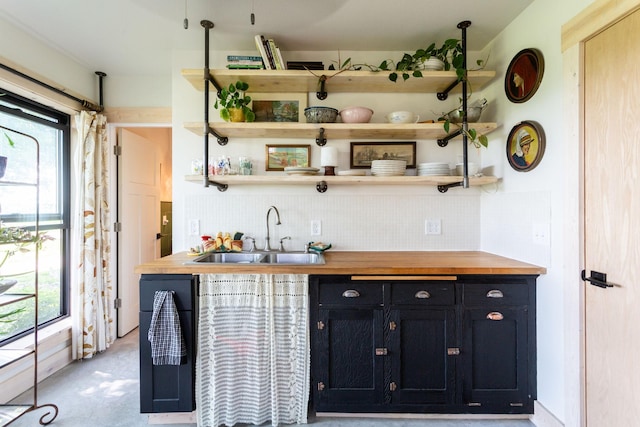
<point>194,227</point>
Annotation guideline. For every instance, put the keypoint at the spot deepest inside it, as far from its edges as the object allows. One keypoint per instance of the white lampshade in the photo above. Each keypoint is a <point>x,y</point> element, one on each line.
<point>329,156</point>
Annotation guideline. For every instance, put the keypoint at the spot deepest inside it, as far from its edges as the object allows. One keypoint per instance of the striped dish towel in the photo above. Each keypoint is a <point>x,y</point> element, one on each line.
<point>165,335</point>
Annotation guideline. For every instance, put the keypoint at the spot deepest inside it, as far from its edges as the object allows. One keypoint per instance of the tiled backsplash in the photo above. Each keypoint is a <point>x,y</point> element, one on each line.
<point>378,221</point>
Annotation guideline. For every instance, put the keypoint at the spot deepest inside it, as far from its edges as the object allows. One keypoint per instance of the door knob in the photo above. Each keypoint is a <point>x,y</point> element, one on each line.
<point>596,279</point>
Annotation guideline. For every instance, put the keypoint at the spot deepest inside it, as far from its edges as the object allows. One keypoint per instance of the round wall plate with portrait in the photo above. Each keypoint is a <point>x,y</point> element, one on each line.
<point>525,145</point>
<point>524,75</point>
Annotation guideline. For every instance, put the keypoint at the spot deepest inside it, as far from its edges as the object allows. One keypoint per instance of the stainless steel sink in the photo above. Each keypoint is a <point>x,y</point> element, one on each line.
<point>228,258</point>
<point>280,258</point>
<point>293,258</point>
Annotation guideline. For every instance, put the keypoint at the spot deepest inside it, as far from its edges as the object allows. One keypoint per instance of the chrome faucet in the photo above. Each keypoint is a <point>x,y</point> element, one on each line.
<point>267,244</point>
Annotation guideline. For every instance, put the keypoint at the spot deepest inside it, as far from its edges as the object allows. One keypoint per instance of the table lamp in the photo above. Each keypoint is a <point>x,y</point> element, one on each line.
<point>329,159</point>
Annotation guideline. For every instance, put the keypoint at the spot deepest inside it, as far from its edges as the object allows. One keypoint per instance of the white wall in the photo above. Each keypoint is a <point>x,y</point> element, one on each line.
<point>353,218</point>
<point>535,198</point>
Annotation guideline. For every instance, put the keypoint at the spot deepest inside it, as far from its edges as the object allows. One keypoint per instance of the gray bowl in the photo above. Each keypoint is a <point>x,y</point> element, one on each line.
<point>320,114</point>
<point>473,115</point>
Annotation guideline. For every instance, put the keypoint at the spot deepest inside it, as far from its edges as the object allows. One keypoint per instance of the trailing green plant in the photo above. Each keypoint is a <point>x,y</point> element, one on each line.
<point>235,96</point>
<point>5,317</point>
<point>9,140</point>
<point>15,240</point>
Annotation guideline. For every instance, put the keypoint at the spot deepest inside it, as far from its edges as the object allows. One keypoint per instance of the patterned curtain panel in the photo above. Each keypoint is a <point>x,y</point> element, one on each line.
<point>253,350</point>
<point>92,287</point>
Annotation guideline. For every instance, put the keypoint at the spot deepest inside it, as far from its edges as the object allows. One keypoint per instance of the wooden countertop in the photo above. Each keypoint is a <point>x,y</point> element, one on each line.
<point>360,262</point>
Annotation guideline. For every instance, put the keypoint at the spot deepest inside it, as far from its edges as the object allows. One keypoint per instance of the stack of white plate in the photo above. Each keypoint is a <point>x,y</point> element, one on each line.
<point>295,170</point>
<point>433,168</point>
<point>388,167</point>
<point>353,172</point>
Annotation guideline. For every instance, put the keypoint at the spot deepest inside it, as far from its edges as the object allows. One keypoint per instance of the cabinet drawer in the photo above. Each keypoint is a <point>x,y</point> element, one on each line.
<point>491,294</point>
<point>350,293</point>
<point>422,293</point>
<point>181,284</point>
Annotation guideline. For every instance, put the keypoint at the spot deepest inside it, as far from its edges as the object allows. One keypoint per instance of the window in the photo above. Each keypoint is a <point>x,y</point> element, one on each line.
<point>17,207</point>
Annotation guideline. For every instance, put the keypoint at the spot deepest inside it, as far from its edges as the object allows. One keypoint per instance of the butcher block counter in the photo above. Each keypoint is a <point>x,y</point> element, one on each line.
<point>389,332</point>
<point>360,262</point>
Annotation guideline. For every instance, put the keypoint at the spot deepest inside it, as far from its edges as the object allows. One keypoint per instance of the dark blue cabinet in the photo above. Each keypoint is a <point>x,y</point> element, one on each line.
<point>168,388</point>
<point>459,344</point>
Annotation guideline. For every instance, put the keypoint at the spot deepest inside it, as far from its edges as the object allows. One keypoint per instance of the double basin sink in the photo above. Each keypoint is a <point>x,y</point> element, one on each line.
<point>279,258</point>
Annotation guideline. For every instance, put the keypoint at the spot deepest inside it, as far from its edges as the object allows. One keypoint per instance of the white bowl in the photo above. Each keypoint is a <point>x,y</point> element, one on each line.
<point>402,117</point>
<point>472,168</point>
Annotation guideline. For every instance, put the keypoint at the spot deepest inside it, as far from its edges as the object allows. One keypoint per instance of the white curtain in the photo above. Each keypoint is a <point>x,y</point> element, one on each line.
<point>92,291</point>
<point>253,350</point>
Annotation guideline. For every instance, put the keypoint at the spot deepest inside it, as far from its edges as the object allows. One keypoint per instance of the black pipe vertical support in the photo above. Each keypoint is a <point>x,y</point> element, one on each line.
<point>207,25</point>
<point>465,125</point>
<point>100,75</point>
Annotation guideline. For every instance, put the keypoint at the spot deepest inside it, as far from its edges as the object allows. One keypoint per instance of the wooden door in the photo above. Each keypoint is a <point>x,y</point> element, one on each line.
<point>612,223</point>
<point>138,213</point>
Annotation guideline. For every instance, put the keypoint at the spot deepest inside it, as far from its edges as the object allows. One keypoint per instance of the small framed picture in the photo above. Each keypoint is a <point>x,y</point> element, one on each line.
<point>525,145</point>
<point>363,153</point>
<point>279,107</point>
<point>524,75</point>
<point>282,156</point>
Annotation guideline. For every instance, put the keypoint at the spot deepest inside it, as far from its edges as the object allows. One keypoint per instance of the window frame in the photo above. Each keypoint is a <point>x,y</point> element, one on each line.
<point>61,219</point>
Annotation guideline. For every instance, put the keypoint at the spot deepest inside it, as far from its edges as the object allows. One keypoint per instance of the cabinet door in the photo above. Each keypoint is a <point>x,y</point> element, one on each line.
<point>348,376</point>
<point>421,370</point>
<point>495,358</point>
<point>168,388</point>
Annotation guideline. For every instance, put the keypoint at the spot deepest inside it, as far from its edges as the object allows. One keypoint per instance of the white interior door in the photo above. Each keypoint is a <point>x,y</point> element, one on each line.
<point>139,210</point>
<point>612,224</point>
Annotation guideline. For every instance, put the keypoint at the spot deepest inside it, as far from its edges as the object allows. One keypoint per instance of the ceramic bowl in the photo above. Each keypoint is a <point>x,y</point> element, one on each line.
<point>402,117</point>
<point>320,114</point>
<point>356,114</point>
<point>472,168</point>
<point>473,115</point>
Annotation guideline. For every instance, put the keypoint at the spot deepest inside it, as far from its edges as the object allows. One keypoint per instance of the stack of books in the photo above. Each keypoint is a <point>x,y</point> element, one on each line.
<point>270,53</point>
<point>244,62</point>
<point>305,65</point>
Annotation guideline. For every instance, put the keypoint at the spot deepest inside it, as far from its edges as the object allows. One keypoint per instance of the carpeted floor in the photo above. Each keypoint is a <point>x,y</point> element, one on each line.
<point>104,392</point>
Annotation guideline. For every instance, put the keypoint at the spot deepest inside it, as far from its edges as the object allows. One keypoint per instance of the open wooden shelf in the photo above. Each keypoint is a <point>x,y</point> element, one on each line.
<point>333,130</point>
<point>277,179</point>
<point>339,81</point>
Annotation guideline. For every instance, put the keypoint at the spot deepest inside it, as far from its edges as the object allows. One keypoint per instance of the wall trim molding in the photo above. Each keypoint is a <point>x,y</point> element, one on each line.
<point>137,115</point>
<point>598,16</point>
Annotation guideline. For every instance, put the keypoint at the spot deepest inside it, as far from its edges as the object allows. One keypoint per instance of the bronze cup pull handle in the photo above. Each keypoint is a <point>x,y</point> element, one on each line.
<point>351,293</point>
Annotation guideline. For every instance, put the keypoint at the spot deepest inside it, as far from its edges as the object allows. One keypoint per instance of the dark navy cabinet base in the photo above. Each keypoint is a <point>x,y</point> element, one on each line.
<point>459,344</point>
<point>168,388</point>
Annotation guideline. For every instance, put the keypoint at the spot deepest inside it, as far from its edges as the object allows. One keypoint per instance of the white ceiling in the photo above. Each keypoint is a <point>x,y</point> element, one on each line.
<point>128,37</point>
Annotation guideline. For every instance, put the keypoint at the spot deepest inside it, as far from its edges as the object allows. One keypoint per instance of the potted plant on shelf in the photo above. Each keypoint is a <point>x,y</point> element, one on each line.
<point>234,103</point>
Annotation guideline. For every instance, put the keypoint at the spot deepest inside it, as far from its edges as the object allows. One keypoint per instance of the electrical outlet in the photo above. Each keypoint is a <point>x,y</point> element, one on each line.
<point>540,233</point>
<point>432,226</point>
<point>194,227</point>
<point>316,227</point>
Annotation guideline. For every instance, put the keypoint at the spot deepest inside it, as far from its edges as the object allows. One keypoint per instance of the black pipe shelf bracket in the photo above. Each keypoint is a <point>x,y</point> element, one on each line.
<point>221,187</point>
<point>321,186</point>
<point>321,140</point>
<point>322,93</point>
<point>442,142</point>
<point>443,188</point>
<point>222,140</point>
